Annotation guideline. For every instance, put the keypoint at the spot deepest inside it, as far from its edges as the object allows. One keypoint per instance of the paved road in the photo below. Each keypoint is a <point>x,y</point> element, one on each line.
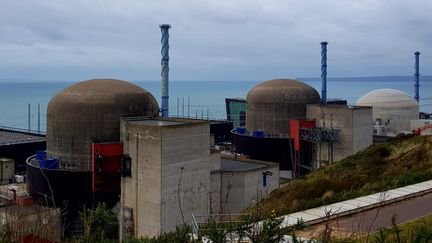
<point>374,219</point>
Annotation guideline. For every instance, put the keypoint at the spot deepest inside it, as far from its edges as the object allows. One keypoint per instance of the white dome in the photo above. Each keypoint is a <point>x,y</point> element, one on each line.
<point>387,98</point>
<point>391,108</point>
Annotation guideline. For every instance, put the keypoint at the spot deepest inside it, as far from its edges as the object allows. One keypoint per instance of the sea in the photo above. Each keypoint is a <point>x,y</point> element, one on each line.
<point>204,99</point>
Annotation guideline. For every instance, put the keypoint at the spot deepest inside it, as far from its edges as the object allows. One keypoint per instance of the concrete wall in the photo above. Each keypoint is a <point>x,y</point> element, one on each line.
<point>215,183</point>
<point>353,123</point>
<point>419,123</point>
<point>362,130</point>
<point>185,165</point>
<point>233,191</point>
<point>142,191</point>
<point>254,190</point>
<point>395,119</point>
<point>170,174</point>
<point>422,124</point>
<point>215,197</point>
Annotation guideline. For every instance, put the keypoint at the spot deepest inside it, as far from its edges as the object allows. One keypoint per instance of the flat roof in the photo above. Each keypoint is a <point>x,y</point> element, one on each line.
<point>235,165</point>
<point>243,100</point>
<point>157,122</point>
<point>345,106</point>
<point>162,122</point>
<point>14,137</point>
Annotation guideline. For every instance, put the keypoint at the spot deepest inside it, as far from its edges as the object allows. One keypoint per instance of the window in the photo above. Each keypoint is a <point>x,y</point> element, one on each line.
<point>126,169</point>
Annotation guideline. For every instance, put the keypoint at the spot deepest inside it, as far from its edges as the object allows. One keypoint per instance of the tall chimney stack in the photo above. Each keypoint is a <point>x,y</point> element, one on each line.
<point>165,68</point>
<point>417,77</point>
<point>324,72</point>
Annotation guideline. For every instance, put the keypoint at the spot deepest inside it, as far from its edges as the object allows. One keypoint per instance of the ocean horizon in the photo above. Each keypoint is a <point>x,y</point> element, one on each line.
<point>205,98</point>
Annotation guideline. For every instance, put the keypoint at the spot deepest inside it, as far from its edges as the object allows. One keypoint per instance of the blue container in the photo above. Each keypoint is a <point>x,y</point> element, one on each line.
<point>42,164</point>
<point>258,134</point>
<point>240,130</point>
<point>51,164</point>
<point>40,155</point>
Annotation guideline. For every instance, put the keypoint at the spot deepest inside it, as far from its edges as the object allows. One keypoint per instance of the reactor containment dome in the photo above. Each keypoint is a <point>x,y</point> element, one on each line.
<point>392,108</point>
<point>89,112</point>
<point>272,103</point>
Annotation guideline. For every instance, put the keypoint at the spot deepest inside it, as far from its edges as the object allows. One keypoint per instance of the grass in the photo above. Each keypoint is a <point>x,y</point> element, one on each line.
<point>401,161</point>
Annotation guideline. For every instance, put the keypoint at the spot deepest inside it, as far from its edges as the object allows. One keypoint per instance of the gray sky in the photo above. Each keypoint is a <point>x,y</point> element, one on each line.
<point>212,40</point>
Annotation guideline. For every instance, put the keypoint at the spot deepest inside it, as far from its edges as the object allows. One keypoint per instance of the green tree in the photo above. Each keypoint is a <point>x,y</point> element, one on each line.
<point>100,225</point>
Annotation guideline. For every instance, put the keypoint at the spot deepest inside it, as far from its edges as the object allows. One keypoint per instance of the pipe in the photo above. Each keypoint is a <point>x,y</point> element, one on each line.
<point>417,77</point>
<point>165,68</point>
<point>29,117</point>
<point>38,117</point>
<point>324,72</point>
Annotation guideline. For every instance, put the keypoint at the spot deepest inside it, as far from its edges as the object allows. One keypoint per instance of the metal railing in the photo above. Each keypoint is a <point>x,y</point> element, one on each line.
<point>319,134</point>
<point>195,227</point>
<point>198,220</point>
<point>23,130</point>
<point>266,134</point>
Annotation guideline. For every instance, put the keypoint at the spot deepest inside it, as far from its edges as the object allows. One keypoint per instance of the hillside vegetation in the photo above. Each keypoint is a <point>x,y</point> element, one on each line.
<point>401,161</point>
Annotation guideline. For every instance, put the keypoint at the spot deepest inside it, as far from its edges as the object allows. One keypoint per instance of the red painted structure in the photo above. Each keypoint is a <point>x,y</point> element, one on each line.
<point>34,239</point>
<point>24,201</point>
<point>106,165</point>
<point>295,126</point>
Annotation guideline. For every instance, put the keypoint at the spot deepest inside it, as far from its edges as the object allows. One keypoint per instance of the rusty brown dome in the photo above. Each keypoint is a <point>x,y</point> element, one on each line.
<point>90,111</point>
<point>272,103</point>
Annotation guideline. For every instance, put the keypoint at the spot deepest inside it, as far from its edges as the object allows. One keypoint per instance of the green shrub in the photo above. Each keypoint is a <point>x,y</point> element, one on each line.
<point>180,235</point>
<point>100,225</point>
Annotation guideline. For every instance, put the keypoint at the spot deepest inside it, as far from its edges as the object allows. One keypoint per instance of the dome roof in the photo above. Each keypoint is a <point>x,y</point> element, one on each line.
<point>100,91</point>
<point>283,90</point>
<point>387,98</point>
<point>271,104</point>
<point>88,112</point>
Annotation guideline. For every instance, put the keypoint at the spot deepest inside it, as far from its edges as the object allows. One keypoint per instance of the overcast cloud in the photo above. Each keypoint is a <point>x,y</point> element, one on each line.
<point>212,40</point>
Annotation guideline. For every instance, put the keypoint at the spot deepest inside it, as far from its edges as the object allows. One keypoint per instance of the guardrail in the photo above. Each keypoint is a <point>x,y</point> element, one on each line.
<point>195,227</point>
<point>198,220</point>
<point>22,130</point>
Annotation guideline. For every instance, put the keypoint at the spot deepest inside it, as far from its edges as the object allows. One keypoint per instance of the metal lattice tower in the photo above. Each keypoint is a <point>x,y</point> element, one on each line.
<point>324,72</point>
<point>417,77</point>
<point>165,68</point>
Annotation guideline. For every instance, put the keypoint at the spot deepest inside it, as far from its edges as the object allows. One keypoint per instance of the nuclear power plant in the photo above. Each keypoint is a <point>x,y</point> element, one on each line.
<point>108,141</point>
<point>392,110</point>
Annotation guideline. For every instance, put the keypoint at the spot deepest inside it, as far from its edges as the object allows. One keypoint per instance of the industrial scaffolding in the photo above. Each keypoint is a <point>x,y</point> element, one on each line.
<point>318,136</point>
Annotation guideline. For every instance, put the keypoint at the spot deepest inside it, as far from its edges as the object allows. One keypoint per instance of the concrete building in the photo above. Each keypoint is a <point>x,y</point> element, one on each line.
<point>240,183</point>
<point>19,144</point>
<point>236,111</point>
<point>353,124</point>
<point>421,126</point>
<point>169,174</point>
<point>392,110</point>
<point>7,170</point>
